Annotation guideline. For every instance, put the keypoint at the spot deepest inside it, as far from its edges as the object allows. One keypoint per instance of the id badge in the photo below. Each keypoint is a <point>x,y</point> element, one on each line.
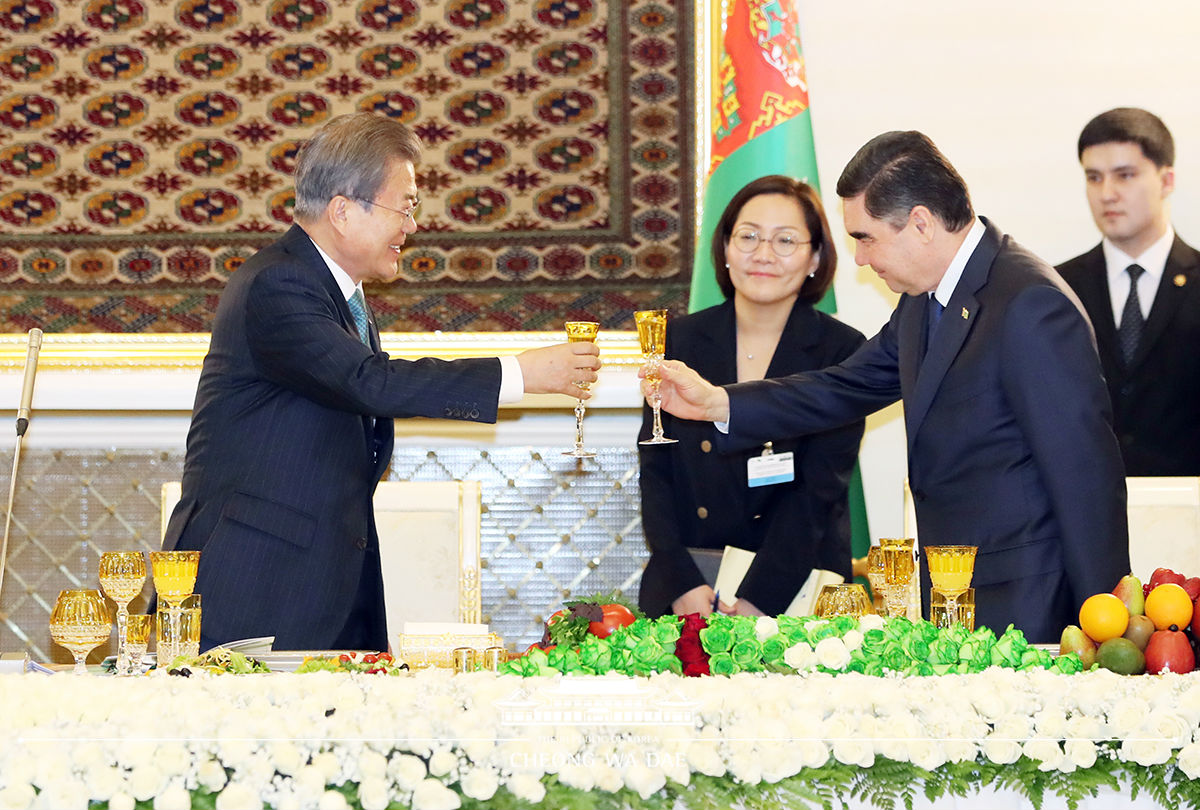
<point>770,468</point>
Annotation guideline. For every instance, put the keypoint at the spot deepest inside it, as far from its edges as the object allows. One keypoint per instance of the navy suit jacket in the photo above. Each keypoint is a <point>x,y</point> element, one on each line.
<point>1010,445</point>
<point>1156,398</point>
<point>695,497</point>
<point>290,433</point>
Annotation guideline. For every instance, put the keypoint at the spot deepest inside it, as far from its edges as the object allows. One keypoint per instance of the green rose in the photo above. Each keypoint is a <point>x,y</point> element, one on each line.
<point>943,651</point>
<point>774,648</point>
<point>895,659</point>
<point>722,663</point>
<point>716,639</point>
<point>667,630</point>
<point>747,654</point>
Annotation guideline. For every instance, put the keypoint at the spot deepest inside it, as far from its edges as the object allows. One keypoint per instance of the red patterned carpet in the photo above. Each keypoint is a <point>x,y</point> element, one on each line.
<point>146,149</point>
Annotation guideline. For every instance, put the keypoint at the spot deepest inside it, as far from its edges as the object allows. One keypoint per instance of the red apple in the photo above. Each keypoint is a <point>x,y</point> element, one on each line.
<point>1192,586</point>
<point>1196,624</point>
<point>1164,575</point>
<point>1169,651</point>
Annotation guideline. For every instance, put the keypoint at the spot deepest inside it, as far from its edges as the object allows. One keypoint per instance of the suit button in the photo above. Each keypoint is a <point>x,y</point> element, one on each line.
<point>758,517</point>
<point>361,543</point>
<point>706,446</point>
<point>702,512</point>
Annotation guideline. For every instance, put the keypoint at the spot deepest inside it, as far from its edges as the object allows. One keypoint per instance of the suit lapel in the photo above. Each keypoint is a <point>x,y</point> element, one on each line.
<point>1167,299</point>
<point>956,323</point>
<point>1096,298</point>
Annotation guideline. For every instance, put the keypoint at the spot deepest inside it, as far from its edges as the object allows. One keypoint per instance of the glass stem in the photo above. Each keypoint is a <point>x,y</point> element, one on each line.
<point>80,666</point>
<point>122,638</point>
<point>579,408</point>
<point>656,404</point>
<point>896,599</point>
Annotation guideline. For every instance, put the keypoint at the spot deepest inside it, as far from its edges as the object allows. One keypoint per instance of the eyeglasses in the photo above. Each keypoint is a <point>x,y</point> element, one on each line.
<point>407,213</point>
<point>784,244</point>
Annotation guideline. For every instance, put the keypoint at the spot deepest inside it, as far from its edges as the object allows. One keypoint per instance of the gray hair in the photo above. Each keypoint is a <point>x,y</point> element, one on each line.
<point>350,156</point>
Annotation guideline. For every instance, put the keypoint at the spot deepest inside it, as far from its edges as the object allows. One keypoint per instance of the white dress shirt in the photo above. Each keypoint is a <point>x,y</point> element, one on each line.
<point>1153,260</point>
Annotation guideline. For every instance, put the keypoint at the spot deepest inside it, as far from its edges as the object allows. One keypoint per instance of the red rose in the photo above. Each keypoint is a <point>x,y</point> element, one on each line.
<point>688,648</point>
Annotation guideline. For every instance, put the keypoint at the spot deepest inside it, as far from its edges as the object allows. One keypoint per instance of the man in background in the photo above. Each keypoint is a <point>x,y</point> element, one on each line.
<point>1010,445</point>
<point>1141,288</point>
<point>292,426</point>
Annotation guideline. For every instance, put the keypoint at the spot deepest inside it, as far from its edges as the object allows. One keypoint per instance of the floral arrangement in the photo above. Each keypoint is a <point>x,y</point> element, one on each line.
<point>727,645</point>
<point>437,741</point>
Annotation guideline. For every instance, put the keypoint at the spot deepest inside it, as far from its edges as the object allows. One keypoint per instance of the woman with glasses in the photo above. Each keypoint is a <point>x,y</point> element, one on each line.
<point>774,259</point>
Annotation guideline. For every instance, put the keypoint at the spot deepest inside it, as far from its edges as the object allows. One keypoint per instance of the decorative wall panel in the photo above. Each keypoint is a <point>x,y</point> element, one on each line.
<point>551,528</point>
<point>147,148</point>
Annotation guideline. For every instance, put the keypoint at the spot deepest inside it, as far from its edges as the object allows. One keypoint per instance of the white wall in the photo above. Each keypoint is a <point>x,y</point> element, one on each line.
<point>1003,89</point>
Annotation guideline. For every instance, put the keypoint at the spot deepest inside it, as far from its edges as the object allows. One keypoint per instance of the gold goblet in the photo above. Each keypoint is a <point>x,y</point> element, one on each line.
<point>964,609</point>
<point>174,580</point>
<point>581,332</point>
<point>122,574</point>
<point>875,576</point>
<point>950,571</point>
<point>138,629</point>
<point>652,335</point>
<point>897,573</point>
<point>849,599</point>
<point>80,622</point>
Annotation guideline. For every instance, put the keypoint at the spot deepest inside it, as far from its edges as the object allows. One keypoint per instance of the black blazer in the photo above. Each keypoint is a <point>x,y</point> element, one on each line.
<point>694,496</point>
<point>292,429</point>
<point>1156,400</point>
<point>1010,444</point>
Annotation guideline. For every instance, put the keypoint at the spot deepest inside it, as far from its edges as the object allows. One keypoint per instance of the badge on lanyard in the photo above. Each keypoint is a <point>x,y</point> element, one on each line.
<point>770,467</point>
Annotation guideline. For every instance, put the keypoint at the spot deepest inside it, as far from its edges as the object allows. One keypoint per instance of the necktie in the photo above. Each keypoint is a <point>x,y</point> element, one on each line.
<point>933,316</point>
<point>358,308</point>
<point>1129,333</point>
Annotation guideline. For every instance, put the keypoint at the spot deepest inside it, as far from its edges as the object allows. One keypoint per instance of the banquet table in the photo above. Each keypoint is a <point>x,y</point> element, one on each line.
<point>432,739</point>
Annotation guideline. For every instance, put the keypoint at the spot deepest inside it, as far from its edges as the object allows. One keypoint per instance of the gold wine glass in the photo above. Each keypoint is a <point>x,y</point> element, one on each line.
<point>652,334</point>
<point>122,574</point>
<point>581,332</point>
<point>950,571</point>
<point>876,577</point>
<point>174,580</point>
<point>849,599</point>
<point>897,573</point>
<point>80,622</point>
<point>138,637</point>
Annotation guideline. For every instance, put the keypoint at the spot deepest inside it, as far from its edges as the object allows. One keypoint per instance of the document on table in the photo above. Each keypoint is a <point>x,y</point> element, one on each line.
<point>735,562</point>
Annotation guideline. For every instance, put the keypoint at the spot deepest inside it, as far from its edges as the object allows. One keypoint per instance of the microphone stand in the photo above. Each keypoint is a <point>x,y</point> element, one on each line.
<point>31,361</point>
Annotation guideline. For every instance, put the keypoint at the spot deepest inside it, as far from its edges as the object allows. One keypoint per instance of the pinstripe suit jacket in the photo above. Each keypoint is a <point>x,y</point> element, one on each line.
<point>290,432</point>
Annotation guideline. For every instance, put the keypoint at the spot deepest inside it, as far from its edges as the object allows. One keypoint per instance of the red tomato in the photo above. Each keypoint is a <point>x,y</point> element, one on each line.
<point>614,616</point>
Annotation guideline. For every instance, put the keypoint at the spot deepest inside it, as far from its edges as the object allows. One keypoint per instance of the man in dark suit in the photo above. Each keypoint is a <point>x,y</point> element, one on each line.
<point>1010,445</point>
<point>292,426</point>
<point>1148,330</point>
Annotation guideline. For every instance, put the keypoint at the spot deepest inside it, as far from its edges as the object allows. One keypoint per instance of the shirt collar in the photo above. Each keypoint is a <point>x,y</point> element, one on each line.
<point>344,282</point>
<point>945,287</point>
<point>1153,260</point>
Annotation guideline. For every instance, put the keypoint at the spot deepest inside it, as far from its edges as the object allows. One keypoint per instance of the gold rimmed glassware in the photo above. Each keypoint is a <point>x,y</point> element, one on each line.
<point>876,577</point>
<point>122,574</point>
<point>652,335</point>
<point>581,332</point>
<point>174,580</point>
<point>963,612</point>
<point>138,627</point>
<point>950,572</point>
<point>897,573</point>
<point>80,621</point>
<point>849,599</point>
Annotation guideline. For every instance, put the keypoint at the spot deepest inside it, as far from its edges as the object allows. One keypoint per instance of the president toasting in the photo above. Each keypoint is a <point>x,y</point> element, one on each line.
<point>292,426</point>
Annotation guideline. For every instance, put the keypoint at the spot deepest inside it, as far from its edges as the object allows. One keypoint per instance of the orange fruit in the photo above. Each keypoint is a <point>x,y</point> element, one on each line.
<point>1169,604</point>
<point>1104,616</point>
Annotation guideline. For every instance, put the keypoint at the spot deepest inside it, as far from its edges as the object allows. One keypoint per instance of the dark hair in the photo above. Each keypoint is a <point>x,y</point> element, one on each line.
<point>814,219</point>
<point>1131,125</point>
<point>897,171</point>
<point>350,156</point>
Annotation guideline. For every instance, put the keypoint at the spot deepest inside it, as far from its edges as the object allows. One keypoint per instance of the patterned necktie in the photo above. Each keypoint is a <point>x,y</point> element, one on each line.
<point>1129,333</point>
<point>358,308</point>
<point>933,316</point>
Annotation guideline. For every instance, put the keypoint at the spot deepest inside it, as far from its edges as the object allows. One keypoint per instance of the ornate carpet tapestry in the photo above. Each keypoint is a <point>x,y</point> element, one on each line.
<point>147,149</point>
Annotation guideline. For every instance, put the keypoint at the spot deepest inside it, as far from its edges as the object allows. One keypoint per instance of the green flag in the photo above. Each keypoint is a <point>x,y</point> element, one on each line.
<point>761,125</point>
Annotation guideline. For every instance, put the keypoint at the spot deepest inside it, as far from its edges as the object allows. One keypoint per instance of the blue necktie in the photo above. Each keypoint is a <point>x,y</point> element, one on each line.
<point>933,316</point>
<point>1129,333</point>
<point>358,308</point>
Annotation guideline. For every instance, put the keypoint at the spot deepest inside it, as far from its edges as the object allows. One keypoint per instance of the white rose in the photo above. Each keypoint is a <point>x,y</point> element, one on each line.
<point>68,794</point>
<point>853,639</point>
<point>1146,752</point>
<point>286,758</point>
<point>1127,715</point>
<point>373,793</point>
<point>480,784</point>
<point>333,800</point>
<point>1081,753</point>
<point>1046,751</point>
<point>644,780</point>
<point>991,704</point>
<point>121,801</point>
<point>927,754</point>
<point>103,781</point>
<point>832,653</point>
<point>442,762</point>
<point>800,657</point>
<point>175,797</point>
<point>1170,727</point>
<point>308,784</point>
<point>576,776</point>
<point>211,775</point>
<point>1189,760</point>
<point>21,797</point>
<point>408,771</point>
<point>813,753</point>
<point>853,751</point>
<point>237,796</point>
<point>870,622</point>
<point>327,763</point>
<point>145,781</point>
<point>745,767</point>
<point>1051,722</point>
<point>1014,727</point>
<point>1001,751</point>
<point>704,758</point>
<point>765,627</point>
<point>1084,727</point>
<point>526,786</point>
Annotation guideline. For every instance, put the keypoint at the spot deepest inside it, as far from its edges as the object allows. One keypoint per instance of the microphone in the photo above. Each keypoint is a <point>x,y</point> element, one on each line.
<point>31,361</point>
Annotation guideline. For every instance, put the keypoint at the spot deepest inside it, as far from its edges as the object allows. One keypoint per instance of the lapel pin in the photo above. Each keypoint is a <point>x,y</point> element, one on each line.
<point>965,314</point>
<point>1180,279</point>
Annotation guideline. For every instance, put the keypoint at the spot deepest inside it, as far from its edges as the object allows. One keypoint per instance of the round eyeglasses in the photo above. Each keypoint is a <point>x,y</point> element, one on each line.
<point>407,213</point>
<point>783,244</point>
